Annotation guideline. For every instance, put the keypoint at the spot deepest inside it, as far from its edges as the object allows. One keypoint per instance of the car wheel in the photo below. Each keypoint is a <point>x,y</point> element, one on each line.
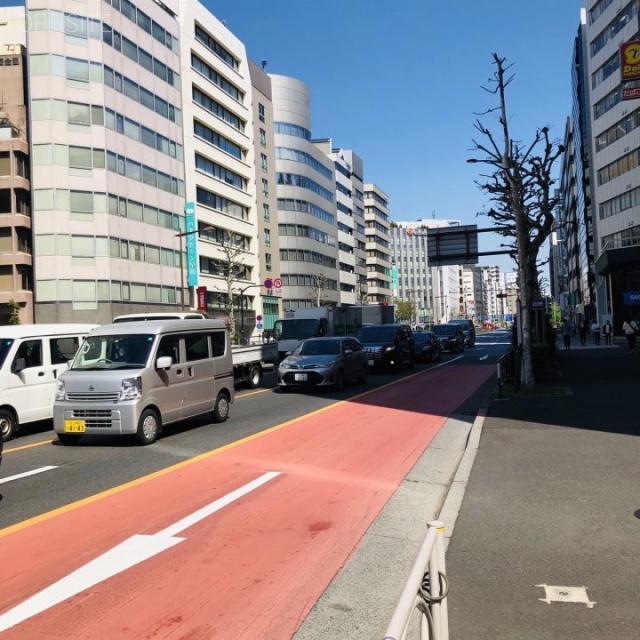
<point>148,427</point>
<point>7,424</point>
<point>254,377</point>
<point>221,408</point>
<point>363,374</point>
<point>69,439</point>
<point>340,380</point>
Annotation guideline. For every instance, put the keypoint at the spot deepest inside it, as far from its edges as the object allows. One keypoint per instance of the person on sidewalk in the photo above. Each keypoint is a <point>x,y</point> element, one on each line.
<point>565,330</point>
<point>607,332</point>
<point>595,329</point>
<point>584,328</point>
<point>630,329</point>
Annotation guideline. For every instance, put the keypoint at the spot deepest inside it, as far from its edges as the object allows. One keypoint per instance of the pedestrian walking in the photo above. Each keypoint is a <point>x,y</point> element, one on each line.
<point>607,332</point>
<point>565,330</point>
<point>595,329</point>
<point>630,330</point>
<point>584,329</point>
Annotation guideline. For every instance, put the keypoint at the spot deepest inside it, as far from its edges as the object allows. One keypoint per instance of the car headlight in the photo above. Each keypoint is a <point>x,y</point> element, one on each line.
<point>131,389</point>
<point>324,365</point>
<point>60,390</point>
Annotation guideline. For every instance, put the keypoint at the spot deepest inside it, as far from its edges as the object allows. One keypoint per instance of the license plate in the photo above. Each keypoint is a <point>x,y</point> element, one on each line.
<point>301,377</point>
<point>371,363</point>
<point>74,426</point>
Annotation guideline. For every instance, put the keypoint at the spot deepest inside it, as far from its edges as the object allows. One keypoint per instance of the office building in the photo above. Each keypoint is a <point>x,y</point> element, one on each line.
<point>380,270</point>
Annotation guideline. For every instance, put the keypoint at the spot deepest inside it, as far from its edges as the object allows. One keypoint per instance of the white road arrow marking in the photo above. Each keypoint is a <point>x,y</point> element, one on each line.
<point>26,474</point>
<point>133,551</point>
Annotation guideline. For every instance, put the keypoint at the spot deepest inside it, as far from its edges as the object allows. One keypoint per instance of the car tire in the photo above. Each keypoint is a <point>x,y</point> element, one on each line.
<point>7,424</point>
<point>148,427</point>
<point>221,408</point>
<point>69,439</point>
<point>339,384</point>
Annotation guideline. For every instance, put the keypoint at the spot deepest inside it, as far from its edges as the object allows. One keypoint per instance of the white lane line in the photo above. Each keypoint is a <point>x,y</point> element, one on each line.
<point>122,557</point>
<point>26,474</point>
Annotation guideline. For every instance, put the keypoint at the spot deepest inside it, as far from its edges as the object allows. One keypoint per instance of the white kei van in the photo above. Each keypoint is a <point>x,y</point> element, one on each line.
<point>32,357</point>
<point>133,378</point>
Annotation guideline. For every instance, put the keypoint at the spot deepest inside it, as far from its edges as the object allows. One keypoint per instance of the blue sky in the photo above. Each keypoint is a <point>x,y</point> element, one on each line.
<point>399,82</point>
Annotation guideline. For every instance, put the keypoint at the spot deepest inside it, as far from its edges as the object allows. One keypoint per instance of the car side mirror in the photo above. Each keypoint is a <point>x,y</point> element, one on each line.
<point>20,365</point>
<point>164,362</point>
<point>348,352</point>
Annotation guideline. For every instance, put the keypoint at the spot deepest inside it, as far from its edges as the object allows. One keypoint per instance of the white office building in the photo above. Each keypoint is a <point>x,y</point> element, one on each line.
<point>107,154</point>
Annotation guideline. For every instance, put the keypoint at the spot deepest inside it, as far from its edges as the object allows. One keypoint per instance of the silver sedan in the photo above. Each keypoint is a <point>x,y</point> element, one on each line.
<point>319,362</point>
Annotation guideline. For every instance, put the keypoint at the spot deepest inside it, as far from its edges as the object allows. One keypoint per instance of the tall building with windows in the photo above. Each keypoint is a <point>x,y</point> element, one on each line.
<point>307,215</point>
<point>614,155</point>
<point>380,268</point>
<point>266,199</point>
<point>16,259</point>
<point>351,224</point>
<point>222,166</point>
<point>107,157</point>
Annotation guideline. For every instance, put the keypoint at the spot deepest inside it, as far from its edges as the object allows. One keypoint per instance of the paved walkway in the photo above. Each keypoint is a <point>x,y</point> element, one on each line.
<point>546,545</point>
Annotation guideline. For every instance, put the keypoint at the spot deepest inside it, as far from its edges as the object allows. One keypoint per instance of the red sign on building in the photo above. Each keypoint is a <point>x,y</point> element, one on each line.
<point>202,298</point>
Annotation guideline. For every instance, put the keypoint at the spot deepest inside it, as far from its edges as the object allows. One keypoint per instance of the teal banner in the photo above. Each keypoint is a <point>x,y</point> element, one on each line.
<point>191,228</point>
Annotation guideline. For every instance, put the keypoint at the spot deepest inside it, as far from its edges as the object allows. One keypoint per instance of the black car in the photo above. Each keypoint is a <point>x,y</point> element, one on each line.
<point>428,348</point>
<point>388,346</point>
<point>451,337</point>
<point>468,329</point>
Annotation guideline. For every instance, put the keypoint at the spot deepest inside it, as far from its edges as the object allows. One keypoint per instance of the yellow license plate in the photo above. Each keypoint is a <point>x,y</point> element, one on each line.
<point>74,426</point>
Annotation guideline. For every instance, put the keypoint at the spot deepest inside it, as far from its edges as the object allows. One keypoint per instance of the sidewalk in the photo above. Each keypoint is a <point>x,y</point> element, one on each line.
<point>554,499</point>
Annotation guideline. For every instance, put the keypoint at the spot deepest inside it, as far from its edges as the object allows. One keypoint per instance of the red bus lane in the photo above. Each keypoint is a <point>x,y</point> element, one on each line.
<point>179,555</point>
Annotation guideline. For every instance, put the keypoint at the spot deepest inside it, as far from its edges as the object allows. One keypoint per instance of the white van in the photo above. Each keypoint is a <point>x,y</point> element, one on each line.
<point>133,378</point>
<point>32,357</point>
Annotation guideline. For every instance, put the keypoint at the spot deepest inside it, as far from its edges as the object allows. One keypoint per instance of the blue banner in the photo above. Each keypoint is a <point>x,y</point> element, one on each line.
<point>632,297</point>
<point>191,224</point>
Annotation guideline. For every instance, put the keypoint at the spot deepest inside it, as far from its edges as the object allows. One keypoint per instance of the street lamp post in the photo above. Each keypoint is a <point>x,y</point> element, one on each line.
<point>241,302</point>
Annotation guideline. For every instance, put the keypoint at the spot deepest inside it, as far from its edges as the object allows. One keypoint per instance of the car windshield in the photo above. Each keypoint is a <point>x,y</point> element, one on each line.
<point>318,348</point>
<point>443,329</point>
<point>293,329</point>
<point>376,334</point>
<point>422,337</point>
<point>120,351</point>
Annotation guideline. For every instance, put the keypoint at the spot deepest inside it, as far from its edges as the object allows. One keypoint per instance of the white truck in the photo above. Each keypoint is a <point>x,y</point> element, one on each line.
<point>309,322</point>
<point>249,361</point>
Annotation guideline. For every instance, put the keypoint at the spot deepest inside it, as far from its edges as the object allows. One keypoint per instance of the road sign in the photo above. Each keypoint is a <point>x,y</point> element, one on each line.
<point>259,326</point>
<point>268,283</point>
<point>259,318</point>
<point>277,283</point>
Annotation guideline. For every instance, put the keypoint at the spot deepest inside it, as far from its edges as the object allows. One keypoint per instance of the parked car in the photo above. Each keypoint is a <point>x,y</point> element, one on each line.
<point>321,362</point>
<point>451,337</point>
<point>389,346</point>
<point>428,348</point>
<point>468,329</point>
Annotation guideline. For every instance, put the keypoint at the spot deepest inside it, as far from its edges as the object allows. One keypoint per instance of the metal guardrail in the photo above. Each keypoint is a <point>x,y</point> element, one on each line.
<point>424,593</point>
<point>506,369</point>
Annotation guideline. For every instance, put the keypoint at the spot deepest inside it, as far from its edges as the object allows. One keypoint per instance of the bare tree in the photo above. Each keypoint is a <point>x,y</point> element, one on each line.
<point>520,188</point>
<point>232,269</point>
<point>317,291</point>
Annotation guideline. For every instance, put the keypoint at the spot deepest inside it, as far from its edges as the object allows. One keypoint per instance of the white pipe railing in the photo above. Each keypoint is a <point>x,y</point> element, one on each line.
<point>425,591</point>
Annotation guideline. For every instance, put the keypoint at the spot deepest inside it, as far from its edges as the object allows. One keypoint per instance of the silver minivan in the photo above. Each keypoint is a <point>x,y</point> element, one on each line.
<point>133,378</point>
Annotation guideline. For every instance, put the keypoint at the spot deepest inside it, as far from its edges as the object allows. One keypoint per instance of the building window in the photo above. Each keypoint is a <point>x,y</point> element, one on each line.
<point>263,162</point>
<point>267,261</point>
<point>261,112</point>
<point>267,238</point>
<point>263,138</point>
<point>265,187</point>
<point>266,216</point>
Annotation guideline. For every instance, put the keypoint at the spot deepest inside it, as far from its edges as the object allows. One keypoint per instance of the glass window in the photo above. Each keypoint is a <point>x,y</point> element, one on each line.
<point>63,349</point>
<point>31,352</point>
<point>80,157</point>
<point>81,201</point>
<point>196,346</point>
<point>78,113</point>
